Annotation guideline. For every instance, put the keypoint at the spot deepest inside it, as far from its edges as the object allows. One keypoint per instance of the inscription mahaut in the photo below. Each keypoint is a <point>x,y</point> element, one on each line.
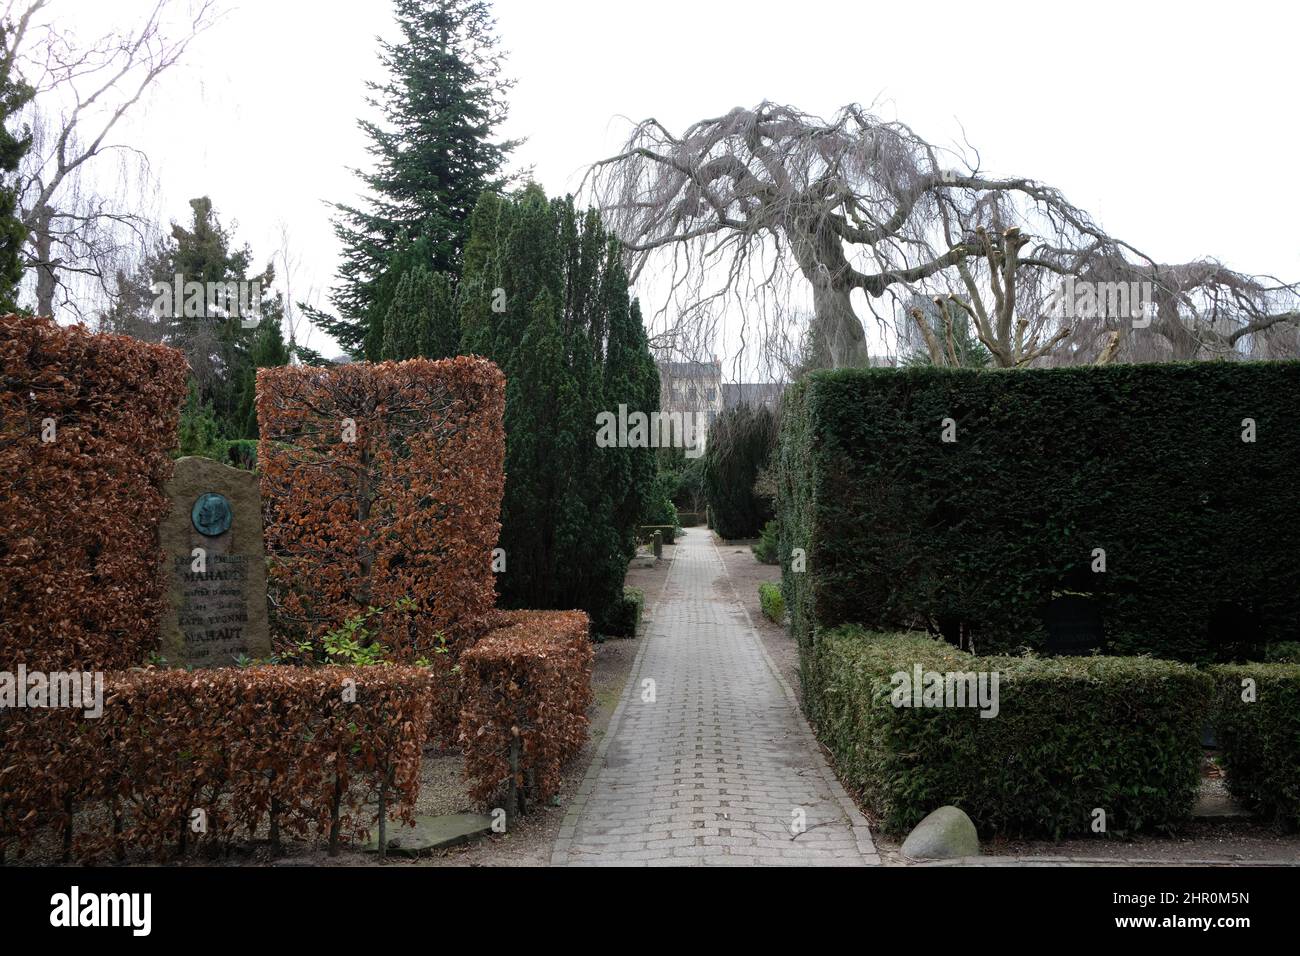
<point>216,611</point>
<point>213,612</point>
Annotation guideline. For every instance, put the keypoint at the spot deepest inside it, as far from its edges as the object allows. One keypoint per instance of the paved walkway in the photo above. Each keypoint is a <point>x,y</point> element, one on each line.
<point>717,767</point>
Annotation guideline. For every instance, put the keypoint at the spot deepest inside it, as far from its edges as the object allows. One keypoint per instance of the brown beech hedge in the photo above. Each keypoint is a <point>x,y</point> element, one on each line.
<point>87,425</point>
<point>382,483</point>
<point>525,691</point>
<point>195,759</point>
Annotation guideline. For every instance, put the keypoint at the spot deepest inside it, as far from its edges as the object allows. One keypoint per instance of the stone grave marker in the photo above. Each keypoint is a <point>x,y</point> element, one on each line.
<point>215,596</point>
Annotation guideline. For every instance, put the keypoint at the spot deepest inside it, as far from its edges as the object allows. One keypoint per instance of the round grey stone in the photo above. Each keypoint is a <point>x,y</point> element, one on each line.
<point>945,834</point>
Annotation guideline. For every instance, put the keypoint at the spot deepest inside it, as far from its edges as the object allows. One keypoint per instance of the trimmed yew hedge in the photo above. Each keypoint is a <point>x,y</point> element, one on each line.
<point>273,750</point>
<point>904,531</point>
<point>1259,739</point>
<point>1071,734</point>
<point>80,579</point>
<point>525,691</point>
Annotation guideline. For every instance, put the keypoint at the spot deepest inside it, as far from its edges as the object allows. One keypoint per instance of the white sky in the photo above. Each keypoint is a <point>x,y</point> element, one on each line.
<point>1173,123</point>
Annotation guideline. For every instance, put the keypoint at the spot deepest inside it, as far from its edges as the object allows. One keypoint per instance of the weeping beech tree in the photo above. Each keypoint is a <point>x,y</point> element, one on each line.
<point>870,215</point>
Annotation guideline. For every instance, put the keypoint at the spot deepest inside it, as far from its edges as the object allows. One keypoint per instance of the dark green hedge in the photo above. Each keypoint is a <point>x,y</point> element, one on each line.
<point>740,444</point>
<point>1071,734</point>
<point>1201,530</point>
<point>1259,740</point>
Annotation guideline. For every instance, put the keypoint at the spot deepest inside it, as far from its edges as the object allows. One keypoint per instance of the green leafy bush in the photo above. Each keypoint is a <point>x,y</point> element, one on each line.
<point>768,548</point>
<point>628,619</point>
<point>902,529</point>
<point>1259,738</point>
<point>740,444</point>
<point>769,596</point>
<point>1070,735</point>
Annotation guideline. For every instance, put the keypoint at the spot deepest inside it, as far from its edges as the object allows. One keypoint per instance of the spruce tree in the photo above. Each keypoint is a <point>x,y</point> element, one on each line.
<point>435,152</point>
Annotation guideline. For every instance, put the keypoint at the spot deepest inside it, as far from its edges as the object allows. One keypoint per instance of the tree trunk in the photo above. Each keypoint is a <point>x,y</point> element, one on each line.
<point>45,280</point>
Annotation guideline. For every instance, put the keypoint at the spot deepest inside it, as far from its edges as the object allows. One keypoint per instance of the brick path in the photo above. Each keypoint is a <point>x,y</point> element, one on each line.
<point>715,768</point>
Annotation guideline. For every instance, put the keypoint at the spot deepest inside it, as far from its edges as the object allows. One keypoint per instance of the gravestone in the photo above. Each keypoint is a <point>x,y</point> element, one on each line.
<point>1074,625</point>
<point>215,609</point>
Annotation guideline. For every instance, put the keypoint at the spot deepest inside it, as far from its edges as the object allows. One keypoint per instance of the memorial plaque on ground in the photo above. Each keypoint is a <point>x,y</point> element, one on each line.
<point>215,608</point>
<point>1074,625</point>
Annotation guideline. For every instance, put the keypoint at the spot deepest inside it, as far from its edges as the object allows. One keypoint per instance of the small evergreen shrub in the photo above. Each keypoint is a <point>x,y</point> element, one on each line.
<point>769,596</point>
<point>628,621</point>
<point>767,549</point>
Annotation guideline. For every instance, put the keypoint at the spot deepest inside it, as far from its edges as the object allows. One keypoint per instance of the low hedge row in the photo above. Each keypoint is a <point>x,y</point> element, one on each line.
<point>274,750</point>
<point>1257,723</point>
<point>1069,735</point>
<point>303,752</point>
<point>525,692</point>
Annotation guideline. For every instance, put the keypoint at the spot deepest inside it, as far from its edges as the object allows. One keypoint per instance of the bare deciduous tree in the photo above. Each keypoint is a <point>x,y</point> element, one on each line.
<point>80,231</point>
<point>871,215</point>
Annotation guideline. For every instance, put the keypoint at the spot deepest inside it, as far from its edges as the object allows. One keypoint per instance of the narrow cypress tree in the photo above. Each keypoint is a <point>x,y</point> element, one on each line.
<point>434,152</point>
<point>544,295</point>
<point>406,316</point>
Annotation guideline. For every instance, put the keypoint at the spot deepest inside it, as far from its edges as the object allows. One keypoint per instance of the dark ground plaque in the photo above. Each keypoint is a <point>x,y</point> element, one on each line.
<point>216,600</point>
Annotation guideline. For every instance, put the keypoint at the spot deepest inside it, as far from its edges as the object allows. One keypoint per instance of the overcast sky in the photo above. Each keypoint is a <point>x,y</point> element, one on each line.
<point>1170,122</point>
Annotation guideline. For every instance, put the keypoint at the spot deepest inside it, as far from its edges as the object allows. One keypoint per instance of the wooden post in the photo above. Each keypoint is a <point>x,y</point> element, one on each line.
<point>658,544</point>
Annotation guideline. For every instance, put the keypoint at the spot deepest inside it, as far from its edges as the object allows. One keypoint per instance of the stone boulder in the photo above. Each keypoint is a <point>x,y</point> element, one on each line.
<point>945,834</point>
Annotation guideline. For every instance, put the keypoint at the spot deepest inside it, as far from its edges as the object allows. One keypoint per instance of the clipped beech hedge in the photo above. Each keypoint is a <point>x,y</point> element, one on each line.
<point>525,691</point>
<point>1070,735</point>
<point>87,425</point>
<point>381,487</point>
<point>902,530</point>
<point>266,751</point>
<point>1257,725</point>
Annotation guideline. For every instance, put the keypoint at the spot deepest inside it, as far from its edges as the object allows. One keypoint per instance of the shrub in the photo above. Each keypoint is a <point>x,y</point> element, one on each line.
<point>525,692</point>
<point>769,596</point>
<point>1260,739</point>
<point>904,530</point>
<point>739,446</point>
<point>628,621</point>
<point>87,425</point>
<point>382,483</point>
<point>296,750</point>
<point>768,548</point>
<point>1069,735</point>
